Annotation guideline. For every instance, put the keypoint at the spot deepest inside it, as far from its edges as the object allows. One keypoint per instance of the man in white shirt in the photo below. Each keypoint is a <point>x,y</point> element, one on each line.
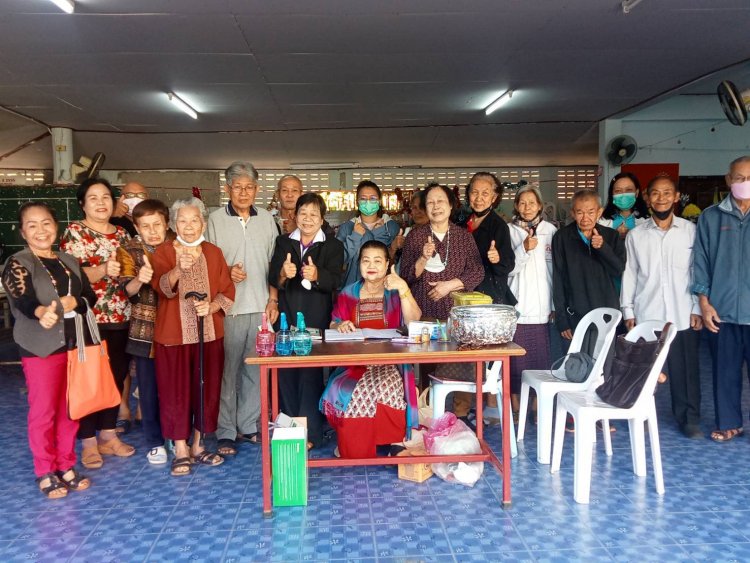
<point>656,286</point>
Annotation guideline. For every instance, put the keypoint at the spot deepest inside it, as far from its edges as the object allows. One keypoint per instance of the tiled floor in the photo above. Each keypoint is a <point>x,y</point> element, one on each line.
<point>136,512</point>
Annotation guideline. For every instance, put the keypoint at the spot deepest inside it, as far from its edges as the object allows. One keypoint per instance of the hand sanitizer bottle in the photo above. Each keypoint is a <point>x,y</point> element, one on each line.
<point>283,338</point>
<point>302,339</point>
<point>264,340</point>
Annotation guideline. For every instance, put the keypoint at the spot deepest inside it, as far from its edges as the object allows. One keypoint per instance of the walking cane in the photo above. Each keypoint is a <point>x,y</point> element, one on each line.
<point>199,297</point>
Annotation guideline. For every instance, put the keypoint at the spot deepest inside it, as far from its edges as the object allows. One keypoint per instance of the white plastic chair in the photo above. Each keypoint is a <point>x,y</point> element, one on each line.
<point>439,391</point>
<point>547,385</point>
<point>586,408</point>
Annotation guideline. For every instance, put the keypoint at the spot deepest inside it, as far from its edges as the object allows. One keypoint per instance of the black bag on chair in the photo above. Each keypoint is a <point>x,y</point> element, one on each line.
<point>626,371</point>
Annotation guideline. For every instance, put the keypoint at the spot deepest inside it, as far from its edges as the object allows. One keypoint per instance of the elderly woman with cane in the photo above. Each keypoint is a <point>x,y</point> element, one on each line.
<point>195,291</point>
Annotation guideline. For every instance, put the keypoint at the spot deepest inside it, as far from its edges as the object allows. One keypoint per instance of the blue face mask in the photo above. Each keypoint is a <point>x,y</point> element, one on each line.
<point>369,207</point>
<point>623,202</point>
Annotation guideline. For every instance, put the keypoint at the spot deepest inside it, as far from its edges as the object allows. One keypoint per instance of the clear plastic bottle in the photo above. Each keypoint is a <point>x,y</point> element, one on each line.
<point>264,340</point>
<point>283,338</point>
<point>302,339</point>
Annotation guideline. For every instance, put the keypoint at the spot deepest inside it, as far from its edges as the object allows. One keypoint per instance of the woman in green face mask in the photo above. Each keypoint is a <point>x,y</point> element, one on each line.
<point>625,207</point>
<point>370,223</point>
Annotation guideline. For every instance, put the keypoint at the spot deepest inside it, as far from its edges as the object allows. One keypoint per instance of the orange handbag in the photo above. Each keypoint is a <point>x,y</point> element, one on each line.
<point>91,385</point>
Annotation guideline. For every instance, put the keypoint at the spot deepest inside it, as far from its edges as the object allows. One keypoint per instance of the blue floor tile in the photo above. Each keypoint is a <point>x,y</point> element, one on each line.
<point>138,512</point>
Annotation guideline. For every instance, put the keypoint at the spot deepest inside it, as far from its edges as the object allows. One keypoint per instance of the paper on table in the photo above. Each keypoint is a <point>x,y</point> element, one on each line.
<point>333,335</point>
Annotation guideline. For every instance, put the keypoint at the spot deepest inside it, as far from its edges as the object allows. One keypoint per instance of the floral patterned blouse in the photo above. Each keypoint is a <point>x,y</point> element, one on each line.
<point>93,248</point>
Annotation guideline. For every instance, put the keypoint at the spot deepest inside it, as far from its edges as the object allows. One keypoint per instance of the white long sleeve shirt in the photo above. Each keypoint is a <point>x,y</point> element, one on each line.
<point>531,279</point>
<point>658,274</point>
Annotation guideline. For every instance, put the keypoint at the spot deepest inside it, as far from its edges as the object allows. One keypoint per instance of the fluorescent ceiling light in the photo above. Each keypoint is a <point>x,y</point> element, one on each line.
<point>182,104</point>
<point>67,6</point>
<point>498,103</point>
<point>322,165</point>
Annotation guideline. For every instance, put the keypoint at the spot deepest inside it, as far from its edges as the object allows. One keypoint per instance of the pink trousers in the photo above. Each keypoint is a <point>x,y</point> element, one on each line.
<point>52,435</point>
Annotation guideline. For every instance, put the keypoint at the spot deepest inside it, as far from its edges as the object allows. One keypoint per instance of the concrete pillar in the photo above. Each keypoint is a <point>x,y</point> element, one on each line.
<point>62,155</point>
<point>608,130</point>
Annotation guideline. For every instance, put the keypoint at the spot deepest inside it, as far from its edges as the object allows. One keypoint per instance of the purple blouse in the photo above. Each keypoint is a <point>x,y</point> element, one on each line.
<point>463,263</point>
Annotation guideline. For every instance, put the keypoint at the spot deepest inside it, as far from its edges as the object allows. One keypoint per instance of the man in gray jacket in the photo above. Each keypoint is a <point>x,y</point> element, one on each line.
<point>246,235</point>
<point>721,279</point>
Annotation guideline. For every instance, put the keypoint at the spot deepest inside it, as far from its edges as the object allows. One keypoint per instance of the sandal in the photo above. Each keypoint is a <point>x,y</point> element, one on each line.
<point>208,458</point>
<point>116,447</point>
<point>77,482</point>
<point>723,436</point>
<point>55,489</point>
<point>180,466</point>
<point>225,447</point>
<point>122,426</point>
<point>253,438</point>
<point>91,458</point>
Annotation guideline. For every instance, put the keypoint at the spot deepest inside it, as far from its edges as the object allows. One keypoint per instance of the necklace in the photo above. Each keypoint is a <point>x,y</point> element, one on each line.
<point>52,278</point>
<point>371,294</point>
<point>447,244</point>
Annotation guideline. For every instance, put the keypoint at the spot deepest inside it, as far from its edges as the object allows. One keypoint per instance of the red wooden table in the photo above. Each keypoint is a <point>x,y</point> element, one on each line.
<point>382,353</point>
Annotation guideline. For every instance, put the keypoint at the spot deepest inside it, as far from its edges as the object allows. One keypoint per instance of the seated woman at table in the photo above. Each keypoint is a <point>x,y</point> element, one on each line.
<point>371,405</point>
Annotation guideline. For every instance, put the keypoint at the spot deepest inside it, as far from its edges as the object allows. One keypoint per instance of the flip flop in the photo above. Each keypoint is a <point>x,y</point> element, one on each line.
<point>724,436</point>
<point>253,438</point>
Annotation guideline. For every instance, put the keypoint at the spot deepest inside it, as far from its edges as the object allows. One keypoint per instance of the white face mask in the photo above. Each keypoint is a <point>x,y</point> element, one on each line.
<point>741,190</point>
<point>131,202</point>
<point>193,244</point>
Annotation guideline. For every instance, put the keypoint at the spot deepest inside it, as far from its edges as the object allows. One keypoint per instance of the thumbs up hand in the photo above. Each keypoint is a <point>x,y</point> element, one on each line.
<point>492,254</point>
<point>394,281</point>
<point>398,240</point>
<point>237,273</point>
<point>49,316</point>
<point>112,267</point>
<point>289,268</point>
<point>597,241</point>
<point>146,272</point>
<point>428,250</point>
<point>531,241</point>
<point>310,270</point>
<point>185,260</point>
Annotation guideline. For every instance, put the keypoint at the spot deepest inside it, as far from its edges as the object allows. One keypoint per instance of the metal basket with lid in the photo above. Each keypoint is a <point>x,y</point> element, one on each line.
<point>480,325</point>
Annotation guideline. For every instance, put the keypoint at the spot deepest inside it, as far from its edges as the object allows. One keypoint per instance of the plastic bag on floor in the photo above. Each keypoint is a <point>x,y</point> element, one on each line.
<point>450,436</point>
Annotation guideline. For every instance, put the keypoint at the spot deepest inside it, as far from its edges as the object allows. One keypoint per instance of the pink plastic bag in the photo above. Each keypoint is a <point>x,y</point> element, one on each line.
<point>450,436</point>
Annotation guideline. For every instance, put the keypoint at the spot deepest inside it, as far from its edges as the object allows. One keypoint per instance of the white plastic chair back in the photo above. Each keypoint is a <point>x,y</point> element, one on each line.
<point>606,320</point>
<point>648,331</point>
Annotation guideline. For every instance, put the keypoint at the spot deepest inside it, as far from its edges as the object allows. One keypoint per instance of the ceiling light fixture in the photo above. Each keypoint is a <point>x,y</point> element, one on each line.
<point>67,6</point>
<point>182,104</point>
<point>500,102</point>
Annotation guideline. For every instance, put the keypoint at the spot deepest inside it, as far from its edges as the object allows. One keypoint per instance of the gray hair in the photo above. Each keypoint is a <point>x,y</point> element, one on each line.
<point>289,177</point>
<point>532,189</point>
<point>740,160</point>
<point>238,169</point>
<point>585,194</point>
<point>182,203</point>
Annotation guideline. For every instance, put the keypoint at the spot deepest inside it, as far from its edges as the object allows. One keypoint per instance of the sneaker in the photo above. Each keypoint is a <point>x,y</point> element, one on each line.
<point>157,455</point>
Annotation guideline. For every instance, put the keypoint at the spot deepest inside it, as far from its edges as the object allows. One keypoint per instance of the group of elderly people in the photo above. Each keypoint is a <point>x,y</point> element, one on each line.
<point>184,272</point>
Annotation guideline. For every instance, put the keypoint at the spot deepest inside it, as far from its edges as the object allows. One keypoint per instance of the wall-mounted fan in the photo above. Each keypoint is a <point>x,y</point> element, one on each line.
<point>734,103</point>
<point>87,167</point>
<point>621,150</point>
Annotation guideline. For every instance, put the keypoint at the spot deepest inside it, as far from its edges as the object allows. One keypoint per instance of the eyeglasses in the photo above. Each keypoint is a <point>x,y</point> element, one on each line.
<point>135,195</point>
<point>248,188</point>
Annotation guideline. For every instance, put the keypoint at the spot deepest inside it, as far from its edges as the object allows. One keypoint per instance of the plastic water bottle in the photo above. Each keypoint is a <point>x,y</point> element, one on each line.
<point>302,339</point>
<point>283,338</point>
<point>264,340</point>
